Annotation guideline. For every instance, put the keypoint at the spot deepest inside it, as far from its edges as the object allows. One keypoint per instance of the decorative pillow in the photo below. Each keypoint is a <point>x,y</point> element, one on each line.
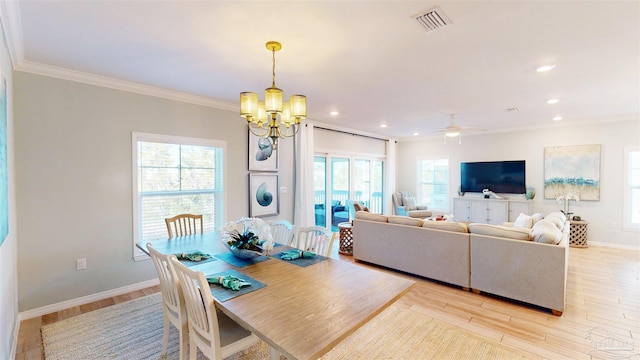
<point>545,231</point>
<point>364,215</point>
<point>404,220</point>
<point>523,221</point>
<point>500,231</point>
<point>409,203</point>
<point>536,217</point>
<point>557,218</point>
<point>446,225</point>
<point>558,214</point>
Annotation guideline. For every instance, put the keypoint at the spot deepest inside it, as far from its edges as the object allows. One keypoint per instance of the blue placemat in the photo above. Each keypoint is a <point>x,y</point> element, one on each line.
<point>191,263</point>
<point>237,262</point>
<point>222,294</point>
<point>303,262</point>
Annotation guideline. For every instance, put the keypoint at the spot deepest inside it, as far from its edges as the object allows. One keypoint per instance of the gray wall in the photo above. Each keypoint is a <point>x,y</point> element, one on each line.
<point>529,145</point>
<point>73,169</point>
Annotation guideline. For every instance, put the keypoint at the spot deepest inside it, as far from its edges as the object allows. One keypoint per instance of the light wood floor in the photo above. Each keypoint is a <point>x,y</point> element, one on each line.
<point>603,306</point>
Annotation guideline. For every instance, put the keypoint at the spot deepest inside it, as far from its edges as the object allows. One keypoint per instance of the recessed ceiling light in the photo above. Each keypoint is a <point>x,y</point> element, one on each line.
<point>552,101</point>
<point>557,118</point>
<point>383,125</point>
<point>415,134</point>
<point>334,113</point>
<point>545,68</point>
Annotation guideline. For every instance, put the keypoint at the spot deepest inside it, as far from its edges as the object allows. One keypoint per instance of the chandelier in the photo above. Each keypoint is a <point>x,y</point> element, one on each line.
<point>273,118</point>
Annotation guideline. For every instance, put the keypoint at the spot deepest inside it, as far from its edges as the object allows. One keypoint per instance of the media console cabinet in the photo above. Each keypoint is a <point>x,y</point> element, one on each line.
<point>489,211</point>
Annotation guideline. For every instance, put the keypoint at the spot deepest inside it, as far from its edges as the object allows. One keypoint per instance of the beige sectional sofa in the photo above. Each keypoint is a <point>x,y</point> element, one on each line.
<point>527,264</point>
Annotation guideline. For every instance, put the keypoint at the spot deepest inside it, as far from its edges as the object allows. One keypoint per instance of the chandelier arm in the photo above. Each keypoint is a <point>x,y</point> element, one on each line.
<point>254,130</point>
<point>285,132</point>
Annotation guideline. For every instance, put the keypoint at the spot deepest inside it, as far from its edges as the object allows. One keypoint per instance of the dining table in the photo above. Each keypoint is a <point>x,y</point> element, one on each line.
<point>302,312</point>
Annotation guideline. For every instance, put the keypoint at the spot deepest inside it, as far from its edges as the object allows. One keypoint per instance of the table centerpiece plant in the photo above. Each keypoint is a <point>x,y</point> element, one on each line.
<point>248,237</point>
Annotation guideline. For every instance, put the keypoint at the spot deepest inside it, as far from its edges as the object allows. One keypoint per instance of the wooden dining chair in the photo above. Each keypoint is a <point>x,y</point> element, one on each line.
<point>317,239</point>
<point>174,311</point>
<point>183,224</point>
<point>215,334</point>
<point>283,232</point>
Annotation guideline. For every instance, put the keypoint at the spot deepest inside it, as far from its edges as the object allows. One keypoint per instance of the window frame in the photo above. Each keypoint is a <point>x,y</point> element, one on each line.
<point>627,223</point>
<point>137,137</point>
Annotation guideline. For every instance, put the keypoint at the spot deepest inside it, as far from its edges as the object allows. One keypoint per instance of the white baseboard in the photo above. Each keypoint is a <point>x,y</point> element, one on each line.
<point>47,309</point>
<point>14,345</point>
<point>614,246</point>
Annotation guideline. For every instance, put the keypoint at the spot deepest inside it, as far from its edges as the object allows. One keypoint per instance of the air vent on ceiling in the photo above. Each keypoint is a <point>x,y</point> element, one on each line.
<point>433,19</point>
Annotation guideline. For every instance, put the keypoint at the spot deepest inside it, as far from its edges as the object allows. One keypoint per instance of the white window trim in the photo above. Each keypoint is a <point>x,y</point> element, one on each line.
<point>626,222</point>
<point>170,139</point>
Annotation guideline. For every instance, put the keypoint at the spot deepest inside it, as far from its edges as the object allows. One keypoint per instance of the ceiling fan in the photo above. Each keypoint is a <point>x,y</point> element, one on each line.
<point>454,130</point>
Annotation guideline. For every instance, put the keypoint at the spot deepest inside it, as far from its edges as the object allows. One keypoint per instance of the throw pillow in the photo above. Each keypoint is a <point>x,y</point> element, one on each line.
<point>536,217</point>
<point>547,232</point>
<point>410,203</point>
<point>523,221</point>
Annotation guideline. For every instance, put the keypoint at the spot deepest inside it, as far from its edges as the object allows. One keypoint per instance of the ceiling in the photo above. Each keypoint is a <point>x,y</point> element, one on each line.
<point>369,60</point>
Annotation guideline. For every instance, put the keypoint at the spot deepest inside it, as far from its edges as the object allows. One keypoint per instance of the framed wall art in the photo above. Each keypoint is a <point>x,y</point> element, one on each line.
<point>262,155</point>
<point>572,170</point>
<point>264,199</point>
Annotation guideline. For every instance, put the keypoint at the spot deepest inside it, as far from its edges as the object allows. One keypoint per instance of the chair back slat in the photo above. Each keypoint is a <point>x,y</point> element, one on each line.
<point>317,239</point>
<point>184,224</point>
<point>283,232</point>
<point>201,311</point>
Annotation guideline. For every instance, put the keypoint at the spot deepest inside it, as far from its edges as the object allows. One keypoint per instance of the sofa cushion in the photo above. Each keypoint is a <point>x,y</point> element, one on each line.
<point>500,231</point>
<point>523,221</point>
<point>404,220</point>
<point>409,203</point>
<point>365,215</point>
<point>546,231</point>
<point>446,225</point>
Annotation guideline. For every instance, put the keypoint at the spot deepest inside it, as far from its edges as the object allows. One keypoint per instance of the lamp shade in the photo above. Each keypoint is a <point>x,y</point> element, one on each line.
<point>248,104</point>
<point>298,104</point>
<point>273,100</point>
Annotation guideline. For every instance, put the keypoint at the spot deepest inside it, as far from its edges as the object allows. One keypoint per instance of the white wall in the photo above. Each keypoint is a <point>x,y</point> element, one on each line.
<point>8,249</point>
<point>529,145</point>
<point>73,169</point>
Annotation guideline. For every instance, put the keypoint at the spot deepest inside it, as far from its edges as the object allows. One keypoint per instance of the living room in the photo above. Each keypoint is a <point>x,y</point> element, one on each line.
<point>69,146</point>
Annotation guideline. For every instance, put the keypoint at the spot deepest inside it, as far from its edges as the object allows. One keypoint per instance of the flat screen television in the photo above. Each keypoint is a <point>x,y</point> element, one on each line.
<point>498,176</point>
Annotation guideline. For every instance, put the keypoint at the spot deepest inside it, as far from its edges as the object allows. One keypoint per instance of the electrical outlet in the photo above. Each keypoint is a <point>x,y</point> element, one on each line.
<point>81,264</point>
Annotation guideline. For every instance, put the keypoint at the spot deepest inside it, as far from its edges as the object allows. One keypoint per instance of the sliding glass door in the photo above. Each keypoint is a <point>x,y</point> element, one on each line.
<point>342,179</point>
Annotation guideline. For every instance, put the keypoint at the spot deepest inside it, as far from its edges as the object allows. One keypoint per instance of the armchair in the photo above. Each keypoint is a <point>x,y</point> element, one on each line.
<point>404,204</point>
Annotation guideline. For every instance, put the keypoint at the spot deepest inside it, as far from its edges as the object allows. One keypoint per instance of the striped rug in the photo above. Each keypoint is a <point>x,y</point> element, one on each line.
<point>133,330</point>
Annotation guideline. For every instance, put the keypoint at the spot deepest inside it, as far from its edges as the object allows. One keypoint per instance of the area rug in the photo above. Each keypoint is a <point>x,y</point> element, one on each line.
<point>129,330</point>
<point>133,330</point>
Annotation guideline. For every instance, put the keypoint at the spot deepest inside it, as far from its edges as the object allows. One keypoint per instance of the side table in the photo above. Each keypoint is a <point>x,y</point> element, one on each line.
<point>346,238</point>
<point>578,234</point>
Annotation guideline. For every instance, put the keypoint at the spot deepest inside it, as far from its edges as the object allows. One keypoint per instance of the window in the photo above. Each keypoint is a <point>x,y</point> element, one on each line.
<point>632,188</point>
<point>433,184</point>
<point>175,175</point>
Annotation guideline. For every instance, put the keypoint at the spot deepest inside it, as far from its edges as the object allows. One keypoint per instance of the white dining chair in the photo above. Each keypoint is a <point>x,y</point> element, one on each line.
<point>215,334</point>
<point>174,311</point>
<point>317,239</point>
<point>283,232</point>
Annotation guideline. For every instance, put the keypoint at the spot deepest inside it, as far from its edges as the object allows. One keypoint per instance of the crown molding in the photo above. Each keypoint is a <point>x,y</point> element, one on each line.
<point>129,86</point>
<point>12,28</point>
